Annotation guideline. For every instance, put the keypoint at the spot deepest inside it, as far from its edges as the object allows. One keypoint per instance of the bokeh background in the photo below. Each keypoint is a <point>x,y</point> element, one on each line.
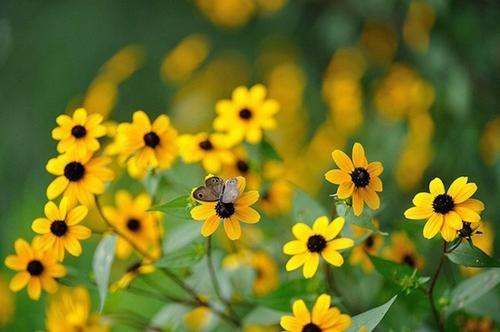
<point>417,82</point>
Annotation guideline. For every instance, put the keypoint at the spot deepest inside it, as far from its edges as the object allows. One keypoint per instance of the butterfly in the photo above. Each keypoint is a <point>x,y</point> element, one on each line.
<point>215,189</point>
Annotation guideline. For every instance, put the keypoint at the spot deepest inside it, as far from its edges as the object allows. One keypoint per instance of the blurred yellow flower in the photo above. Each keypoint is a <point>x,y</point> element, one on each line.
<point>69,310</point>
<point>60,230</point>
<point>418,24</point>
<point>322,318</point>
<point>402,250</point>
<point>7,304</point>
<point>133,271</point>
<point>277,198</point>
<point>241,166</point>
<point>247,114</point>
<point>357,178</point>
<point>378,42</point>
<point>78,179</point>
<point>230,213</point>
<point>227,13</point>
<point>311,243</point>
<point>445,211</point>
<point>131,216</point>
<point>370,246</point>
<point>197,319</point>
<point>490,141</point>
<point>212,150</point>
<point>35,268</point>
<point>78,134</point>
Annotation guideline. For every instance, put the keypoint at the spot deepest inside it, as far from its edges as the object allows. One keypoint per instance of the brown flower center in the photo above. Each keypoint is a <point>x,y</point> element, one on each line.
<point>316,243</point>
<point>224,210</point>
<point>74,171</point>
<point>151,139</point>
<point>311,327</point>
<point>133,225</point>
<point>360,177</point>
<point>443,204</point>
<point>78,131</point>
<point>58,228</point>
<point>35,267</point>
<point>245,114</point>
<point>206,145</point>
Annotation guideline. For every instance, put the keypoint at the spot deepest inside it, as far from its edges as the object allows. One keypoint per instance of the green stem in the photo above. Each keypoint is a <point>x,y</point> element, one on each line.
<point>430,292</point>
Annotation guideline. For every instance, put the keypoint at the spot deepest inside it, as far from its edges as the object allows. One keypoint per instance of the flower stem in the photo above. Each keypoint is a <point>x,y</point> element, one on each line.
<point>330,286</point>
<point>430,292</point>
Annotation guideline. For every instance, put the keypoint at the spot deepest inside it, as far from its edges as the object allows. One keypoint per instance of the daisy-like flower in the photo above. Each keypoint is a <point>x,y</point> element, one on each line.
<point>321,319</point>
<point>35,268</point>
<point>212,150</point>
<point>247,114</point>
<point>357,178</point>
<point>60,229</point>
<point>230,213</point>
<point>132,217</point>
<point>133,271</point>
<point>370,246</point>
<point>241,166</point>
<point>402,250</point>
<point>446,211</point>
<point>311,243</point>
<point>78,179</point>
<point>277,198</point>
<point>145,144</point>
<point>78,134</point>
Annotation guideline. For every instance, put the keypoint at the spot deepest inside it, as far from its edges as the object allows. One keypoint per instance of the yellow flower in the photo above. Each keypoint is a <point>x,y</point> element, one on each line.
<point>7,304</point>
<point>445,211</point>
<point>247,114</point>
<point>69,311</point>
<point>78,134</point>
<point>60,229</point>
<point>230,213</point>
<point>36,269</point>
<point>277,199</point>
<point>79,178</point>
<point>357,178</point>
<point>370,246</point>
<point>311,243</point>
<point>132,217</point>
<point>197,319</point>
<point>322,319</point>
<point>240,166</point>
<point>133,271</point>
<point>402,250</point>
<point>213,151</point>
<point>147,145</point>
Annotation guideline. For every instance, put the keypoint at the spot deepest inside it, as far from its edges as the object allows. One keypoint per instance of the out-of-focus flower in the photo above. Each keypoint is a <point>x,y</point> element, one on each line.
<point>418,24</point>
<point>241,166</point>
<point>378,42</point>
<point>131,216</point>
<point>483,238</point>
<point>78,134</point>
<point>133,271</point>
<point>198,319</point>
<point>69,310</point>
<point>35,268</point>
<point>147,145</point>
<point>370,246</point>
<point>445,211</point>
<point>7,304</point>
<point>357,178</point>
<point>277,198</point>
<point>60,230</point>
<point>261,328</point>
<point>184,58</point>
<point>247,114</point>
<point>311,243</point>
<point>78,179</point>
<point>322,317</point>
<point>490,141</point>
<point>212,150</point>
<point>230,213</point>
<point>477,324</point>
<point>402,250</point>
<point>227,13</point>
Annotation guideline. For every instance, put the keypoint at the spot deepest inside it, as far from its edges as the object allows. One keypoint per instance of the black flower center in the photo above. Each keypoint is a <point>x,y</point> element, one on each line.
<point>466,231</point>
<point>443,204</point>
<point>134,267</point>
<point>74,171</point>
<point>78,131</point>
<point>360,177</point>
<point>242,166</point>
<point>59,228</point>
<point>151,139</point>
<point>409,260</point>
<point>35,267</point>
<point>133,225</point>
<point>224,210</point>
<point>311,327</point>
<point>206,145</point>
<point>316,243</point>
<point>245,114</point>
<point>369,242</point>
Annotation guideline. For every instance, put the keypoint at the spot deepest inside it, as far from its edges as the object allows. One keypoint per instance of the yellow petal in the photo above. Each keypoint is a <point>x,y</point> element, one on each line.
<point>311,265</point>
<point>419,212</point>
<point>56,187</point>
<point>161,124</point>
<point>72,245</point>
<point>375,184</point>
<point>300,312</point>
<point>433,225</point>
<point>320,308</point>
<point>320,225</point>
<point>436,187</point>
<point>80,232</point>
<point>210,225</point>
<point>19,281</point>
<point>248,198</point>
<point>232,228</point>
<point>448,233</point>
<point>296,261</point>
<point>472,204</point>
<point>337,176</point>
<point>15,263</point>
<point>423,199</point>
<point>203,211</point>
<point>467,214</point>
<point>34,288</point>
<point>294,247</point>
<point>345,189</point>
<point>332,256</point>
<point>371,198</point>
<point>80,116</point>
<point>341,243</point>
<point>302,231</point>
<point>358,156</point>
<point>375,168</point>
<point>41,226</point>
<point>465,193</point>
<point>453,220</point>
<point>342,161</point>
<point>142,120</point>
<point>456,186</point>
<point>357,203</point>
<point>76,215</point>
<point>247,215</point>
<point>290,323</point>
<point>334,228</point>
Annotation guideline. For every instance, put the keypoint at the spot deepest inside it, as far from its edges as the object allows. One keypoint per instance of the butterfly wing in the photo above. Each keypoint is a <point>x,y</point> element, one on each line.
<point>211,191</point>
<point>231,191</point>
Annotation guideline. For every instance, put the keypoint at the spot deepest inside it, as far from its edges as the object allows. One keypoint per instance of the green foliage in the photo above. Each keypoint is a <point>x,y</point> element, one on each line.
<point>101,264</point>
<point>305,208</point>
<point>182,258</point>
<point>471,256</point>
<point>402,275</point>
<point>178,207</point>
<point>371,318</point>
<point>282,298</point>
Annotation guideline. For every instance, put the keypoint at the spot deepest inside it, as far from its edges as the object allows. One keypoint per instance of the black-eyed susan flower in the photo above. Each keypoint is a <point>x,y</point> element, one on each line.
<point>277,198</point>
<point>78,134</point>
<point>370,246</point>
<point>69,310</point>
<point>402,250</point>
<point>212,213</point>
<point>247,114</point>
<point>357,178</point>
<point>131,216</point>
<point>133,271</point>
<point>60,230</point>
<point>35,268</point>
<point>241,166</point>
<point>78,179</point>
<point>311,243</point>
<point>145,144</point>
<point>213,151</point>
<point>446,211</point>
<point>323,318</point>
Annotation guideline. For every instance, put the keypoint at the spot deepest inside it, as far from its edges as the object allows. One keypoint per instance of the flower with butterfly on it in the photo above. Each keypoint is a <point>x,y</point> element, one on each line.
<point>214,208</point>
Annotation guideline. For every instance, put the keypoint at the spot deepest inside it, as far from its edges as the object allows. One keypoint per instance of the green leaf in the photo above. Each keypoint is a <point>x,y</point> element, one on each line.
<point>470,256</point>
<point>399,274</point>
<point>471,289</point>
<point>264,316</point>
<point>305,208</point>
<point>364,220</point>
<point>182,258</point>
<point>371,318</point>
<point>281,299</point>
<point>101,265</point>
<point>178,207</point>
<point>152,182</point>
